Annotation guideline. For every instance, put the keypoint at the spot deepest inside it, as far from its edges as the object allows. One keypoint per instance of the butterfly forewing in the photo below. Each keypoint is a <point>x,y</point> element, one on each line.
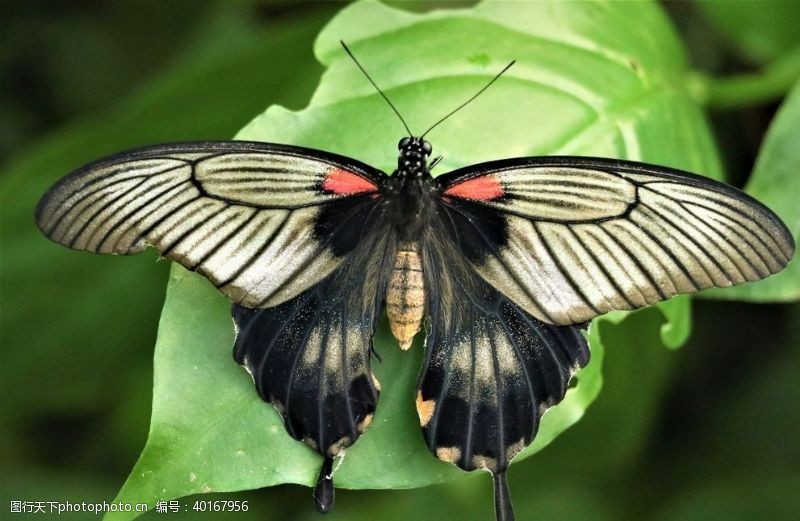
<point>568,239</point>
<point>223,209</point>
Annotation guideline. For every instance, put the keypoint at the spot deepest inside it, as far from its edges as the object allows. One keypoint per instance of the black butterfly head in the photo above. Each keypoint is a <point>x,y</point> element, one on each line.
<point>414,152</point>
<point>414,145</point>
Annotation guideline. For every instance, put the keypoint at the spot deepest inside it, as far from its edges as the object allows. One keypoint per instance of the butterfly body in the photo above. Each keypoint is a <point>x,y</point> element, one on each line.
<point>409,197</point>
<point>405,294</point>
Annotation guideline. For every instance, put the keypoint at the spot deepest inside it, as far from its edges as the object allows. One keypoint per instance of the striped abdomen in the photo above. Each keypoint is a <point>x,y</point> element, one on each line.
<point>405,296</point>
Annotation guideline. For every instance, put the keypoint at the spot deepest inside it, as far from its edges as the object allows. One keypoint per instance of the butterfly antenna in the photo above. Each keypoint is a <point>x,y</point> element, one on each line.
<point>347,49</point>
<point>469,100</point>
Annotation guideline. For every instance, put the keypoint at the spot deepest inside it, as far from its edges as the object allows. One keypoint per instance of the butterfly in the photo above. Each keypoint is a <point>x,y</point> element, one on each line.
<point>503,264</point>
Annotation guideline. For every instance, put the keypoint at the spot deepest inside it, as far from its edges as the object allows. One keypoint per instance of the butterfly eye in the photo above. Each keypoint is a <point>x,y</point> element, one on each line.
<point>427,148</point>
<point>403,143</point>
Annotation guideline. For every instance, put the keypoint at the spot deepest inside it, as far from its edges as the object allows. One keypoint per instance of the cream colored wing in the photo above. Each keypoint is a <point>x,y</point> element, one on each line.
<point>262,222</point>
<point>571,238</point>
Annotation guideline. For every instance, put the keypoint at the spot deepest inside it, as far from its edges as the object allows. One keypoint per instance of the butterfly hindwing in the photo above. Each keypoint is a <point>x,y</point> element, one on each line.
<point>491,368</point>
<point>309,356</point>
<point>571,238</point>
<point>223,209</point>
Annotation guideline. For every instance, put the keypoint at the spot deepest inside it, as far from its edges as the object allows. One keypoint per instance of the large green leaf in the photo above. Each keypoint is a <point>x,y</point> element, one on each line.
<point>591,78</point>
<point>776,182</point>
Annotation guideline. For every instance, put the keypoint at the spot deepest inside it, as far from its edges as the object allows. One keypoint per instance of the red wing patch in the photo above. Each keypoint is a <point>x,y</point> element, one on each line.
<point>341,182</point>
<point>483,188</point>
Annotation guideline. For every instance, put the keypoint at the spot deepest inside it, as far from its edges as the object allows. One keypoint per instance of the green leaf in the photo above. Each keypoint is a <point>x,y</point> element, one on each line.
<point>753,88</point>
<point>587,81</point>
<point>638,372</point>
<point>678,321</point>
<point>762,30</point>
<point>677,326</point>
<point>776,183</point>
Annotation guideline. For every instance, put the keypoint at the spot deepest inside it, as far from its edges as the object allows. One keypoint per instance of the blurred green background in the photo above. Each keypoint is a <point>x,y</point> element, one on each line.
<point>705,432</point>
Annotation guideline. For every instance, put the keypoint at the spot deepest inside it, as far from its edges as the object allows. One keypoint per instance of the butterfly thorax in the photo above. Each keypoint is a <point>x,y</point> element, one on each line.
<point>409,195</point>
<point>409,189</point>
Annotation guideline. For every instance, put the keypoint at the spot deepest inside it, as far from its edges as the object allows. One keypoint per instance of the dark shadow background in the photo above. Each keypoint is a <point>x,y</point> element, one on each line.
<point>713,436</point>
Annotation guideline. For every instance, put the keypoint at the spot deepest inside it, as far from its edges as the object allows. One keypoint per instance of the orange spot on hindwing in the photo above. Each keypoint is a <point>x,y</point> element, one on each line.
<point>425,409</point>
<point>341,182</point>
<point>483,188</point>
